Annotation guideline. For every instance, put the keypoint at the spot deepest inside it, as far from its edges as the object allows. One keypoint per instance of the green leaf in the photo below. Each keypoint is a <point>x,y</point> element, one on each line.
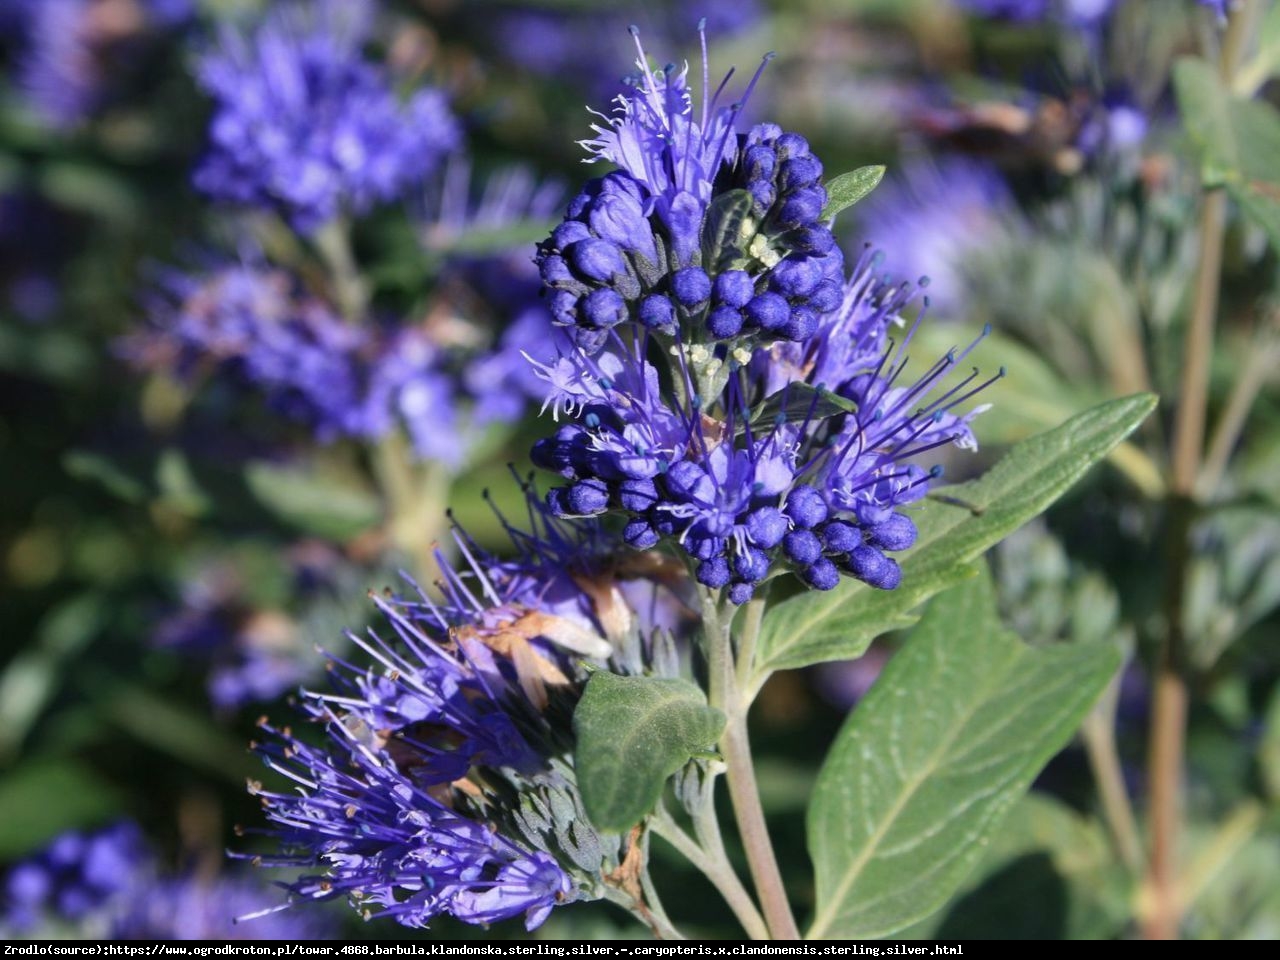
<point>315,502</point>
<point>728,229</point>
<point>1045,853</point>
<point>1237,141</point>
<point>1269,748</point>
<point>633,733</point>
<point>186,734</point>
<point>1266,62</point>
<point>927,766</point>
<point>955,529</point>
<point>848,188</point>
<point>799,401</point>
<point>40,800</point>
<point>33,676</point>
<point>87,465</point>
<point>1205,106</point>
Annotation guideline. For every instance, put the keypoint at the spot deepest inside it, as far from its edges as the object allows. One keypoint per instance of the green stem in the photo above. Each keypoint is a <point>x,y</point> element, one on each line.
<point>1263,356</point>
<point>349,288</point>
<point>660,925</point>
<point>1163,906</point>
<point>413,498</point>
<point>713,863</point>
<point>1098,733</point>
<point>735,746</point>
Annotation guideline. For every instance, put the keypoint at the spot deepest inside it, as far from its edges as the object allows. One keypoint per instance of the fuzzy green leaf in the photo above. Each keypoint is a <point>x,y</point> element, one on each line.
<point>848,188</point>
<point>955,530</point>
<point>927,766</point>
<point>632,733</point>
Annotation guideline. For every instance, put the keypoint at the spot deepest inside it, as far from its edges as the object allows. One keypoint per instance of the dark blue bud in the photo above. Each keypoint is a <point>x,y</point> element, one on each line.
<point>640,534</point>
<point>796,276</point>
<point>814,239</point>
<point>603,308</point>
<point>703,547</point>
<point>620,184</point>
<point>759,162</point>
<point>769,311</point>
<point>766,527</point>
<point>687,480</point>
<point>657,313</point>
<point>637,495</point>
<point>896,533</point>
<point>569,233</point>
<point>586,498</point>
<point>751,565</point>
<point>803,206</point>
<point>553,453</point>
<point>805,507</point>
<point>596,259</point>
<point>766,133</point>
<point>799,172</point>
<point>691,286</point>
<point>821,574</point>
<point>735,288</point>
<point>802,325</point>
<point>840,537</point>
<point>802,546</point>
<point>870,565</point>
<point>619,219</point>
<point>579,204</point>
<point>763,193</point>
<point>740,593</point>
<point>564,307</point>
<point>791,145</point>
<point>713,573</point>
<point>827,297</point>
<point>724,322</point>
<point>553,269</point>
<point>556,502</point>
<point>683,217</point>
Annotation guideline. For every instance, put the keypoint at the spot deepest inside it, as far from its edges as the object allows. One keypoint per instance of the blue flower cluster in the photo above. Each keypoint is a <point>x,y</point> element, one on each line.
<point>253,651</point>
<point>1080,13</point>
<point>938,219</point>
<point>397,810</point>
<point>254,325</point>
<point>106,885</point>
<point>73,53</point>
<point>304,124</point>
<point>583,45</point>
<point>781,432</point>
<point>704,233</point>
<point>76,875</point>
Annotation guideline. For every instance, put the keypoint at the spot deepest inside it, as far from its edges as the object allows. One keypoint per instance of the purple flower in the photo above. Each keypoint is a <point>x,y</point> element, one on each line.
<point>934,219</point>
<point>225,908</point>
<point>304,124</point>
<point>775,473</point>
<point>705,231</point>
<point>407,808</point>
<point>256,327</point>
<point>1218,6</point>
<point>78,874</point>
<point>253,654</point>
<point>107,885</point>
<point>584,46</point>
<point>1074,12</point>
<point>75,50</point>
<point>501,285</point>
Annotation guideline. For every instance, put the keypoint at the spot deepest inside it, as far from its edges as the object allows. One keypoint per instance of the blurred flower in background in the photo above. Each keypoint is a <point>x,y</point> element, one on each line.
<point>108,885</point>
<point>305,124</point>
